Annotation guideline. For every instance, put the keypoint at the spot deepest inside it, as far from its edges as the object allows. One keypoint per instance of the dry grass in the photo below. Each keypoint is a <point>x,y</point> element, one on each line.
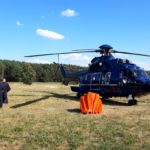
<point>47,116</point>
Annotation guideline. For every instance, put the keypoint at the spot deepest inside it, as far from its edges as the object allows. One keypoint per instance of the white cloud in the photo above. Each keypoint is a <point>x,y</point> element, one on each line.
<point>76,59</point>
<point>42,17</point>
<point>142,64</point>
<point>49,34</point>
<point>19,24</point>
<point>38,61</point>
<point>69,13</point>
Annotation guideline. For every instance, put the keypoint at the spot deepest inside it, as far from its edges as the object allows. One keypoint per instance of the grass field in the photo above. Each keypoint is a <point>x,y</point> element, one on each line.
<point>46,116</point>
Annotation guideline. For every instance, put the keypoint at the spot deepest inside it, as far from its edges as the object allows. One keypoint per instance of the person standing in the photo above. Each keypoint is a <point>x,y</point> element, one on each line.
<point>6,89</point>
<point>1,92</point>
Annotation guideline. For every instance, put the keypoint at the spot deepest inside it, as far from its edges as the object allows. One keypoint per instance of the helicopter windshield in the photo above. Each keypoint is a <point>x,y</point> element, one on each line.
<point>140,73</point>
<point>133,72</point>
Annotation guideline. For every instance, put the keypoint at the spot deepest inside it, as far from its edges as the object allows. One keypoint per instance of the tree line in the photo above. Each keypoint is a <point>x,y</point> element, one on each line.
<point>16,71</point>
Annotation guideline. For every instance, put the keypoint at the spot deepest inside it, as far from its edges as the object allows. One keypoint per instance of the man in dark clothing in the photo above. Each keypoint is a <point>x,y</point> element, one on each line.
<point>1,95</point>
<point>4,88</point>
<point>1,92</point>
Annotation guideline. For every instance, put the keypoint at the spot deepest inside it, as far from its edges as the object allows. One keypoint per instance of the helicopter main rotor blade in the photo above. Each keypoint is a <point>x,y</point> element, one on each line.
<point>38,55</point>
<point>121,52</point>
<point>86,50</point>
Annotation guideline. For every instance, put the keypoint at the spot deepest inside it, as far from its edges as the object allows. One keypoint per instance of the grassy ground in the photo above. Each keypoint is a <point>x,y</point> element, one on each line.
<point>47,116</point>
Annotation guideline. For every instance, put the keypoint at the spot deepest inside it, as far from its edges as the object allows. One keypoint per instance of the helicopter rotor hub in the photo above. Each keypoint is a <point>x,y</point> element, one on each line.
<point>105,49</point>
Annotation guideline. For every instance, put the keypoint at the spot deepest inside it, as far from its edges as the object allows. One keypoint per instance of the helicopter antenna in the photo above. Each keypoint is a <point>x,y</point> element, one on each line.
<point>58,58</point>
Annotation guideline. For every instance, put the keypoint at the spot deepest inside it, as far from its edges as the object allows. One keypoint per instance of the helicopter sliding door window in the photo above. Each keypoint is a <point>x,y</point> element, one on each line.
<point>95,83</point>
<point>85,82</point>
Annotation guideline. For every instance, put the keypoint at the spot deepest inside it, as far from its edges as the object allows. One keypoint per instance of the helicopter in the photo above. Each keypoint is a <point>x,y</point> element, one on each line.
<point>107,75</point>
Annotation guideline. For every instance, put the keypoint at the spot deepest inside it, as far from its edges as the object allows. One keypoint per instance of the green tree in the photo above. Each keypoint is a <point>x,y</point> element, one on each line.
<point>28,74</point>
<point>16,71</point>
<point>13,70</point>
<point>2,67</point>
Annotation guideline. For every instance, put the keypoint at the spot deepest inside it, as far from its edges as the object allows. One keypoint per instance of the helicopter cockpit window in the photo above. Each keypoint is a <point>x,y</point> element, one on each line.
<point>126,73</point>
<point>119,61</point>
<point>140,73</point>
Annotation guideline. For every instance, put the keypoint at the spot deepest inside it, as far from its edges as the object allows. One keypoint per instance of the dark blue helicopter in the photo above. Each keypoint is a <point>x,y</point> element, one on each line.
<point>108,76</point>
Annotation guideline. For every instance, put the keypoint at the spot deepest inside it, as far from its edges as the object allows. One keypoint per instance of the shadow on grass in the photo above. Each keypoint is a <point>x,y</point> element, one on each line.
<point>105,102</point>
<point>64,96</point>
<point>31,101</point>
<point>55,95</point>
<point>22,95</point>
<point>114,102</point>
<point>75,110</point>
<point>36,91</point>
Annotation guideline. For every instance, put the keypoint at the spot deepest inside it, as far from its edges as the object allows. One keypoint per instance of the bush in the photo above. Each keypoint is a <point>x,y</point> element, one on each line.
<point>28,74</point>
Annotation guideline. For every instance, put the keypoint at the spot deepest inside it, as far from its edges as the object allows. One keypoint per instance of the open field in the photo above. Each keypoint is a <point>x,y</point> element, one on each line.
<point>47,116</point>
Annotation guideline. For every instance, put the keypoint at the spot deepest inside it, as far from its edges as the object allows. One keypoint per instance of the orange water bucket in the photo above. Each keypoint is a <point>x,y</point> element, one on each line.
<point>90,103</point>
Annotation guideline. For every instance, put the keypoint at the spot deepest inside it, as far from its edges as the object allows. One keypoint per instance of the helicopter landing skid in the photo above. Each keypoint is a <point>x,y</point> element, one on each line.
<point>131,100</point>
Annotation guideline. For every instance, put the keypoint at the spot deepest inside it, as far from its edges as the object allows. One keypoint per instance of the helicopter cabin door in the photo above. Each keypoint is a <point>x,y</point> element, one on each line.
<point>95,81</point>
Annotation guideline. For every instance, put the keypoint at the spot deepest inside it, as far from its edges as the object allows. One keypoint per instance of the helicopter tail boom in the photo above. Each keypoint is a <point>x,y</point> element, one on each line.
<point>67,76</point>
<point>70,76</point>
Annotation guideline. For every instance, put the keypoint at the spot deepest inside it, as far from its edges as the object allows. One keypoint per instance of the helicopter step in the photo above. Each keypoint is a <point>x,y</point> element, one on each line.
<point>75,88</point>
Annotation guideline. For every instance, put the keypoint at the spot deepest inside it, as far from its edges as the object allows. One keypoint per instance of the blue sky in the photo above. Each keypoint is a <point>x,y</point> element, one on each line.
<point>45,26</point>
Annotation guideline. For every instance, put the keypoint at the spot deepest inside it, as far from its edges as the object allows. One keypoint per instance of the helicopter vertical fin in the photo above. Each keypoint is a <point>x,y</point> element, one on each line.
<point>62,69</point>
<point>66,80</point>
<point>69,76</point>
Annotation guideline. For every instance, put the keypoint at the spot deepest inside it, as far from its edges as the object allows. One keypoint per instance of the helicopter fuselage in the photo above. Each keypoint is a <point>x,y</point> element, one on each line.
<point>107,75</point>
<point>110,77</point>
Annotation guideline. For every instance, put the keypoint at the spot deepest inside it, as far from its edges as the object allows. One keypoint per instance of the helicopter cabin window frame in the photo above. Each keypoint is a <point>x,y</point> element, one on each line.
<point>96,77</point>
<point>95,81</point>
<point>107,78</point>
<point>86,79</point>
